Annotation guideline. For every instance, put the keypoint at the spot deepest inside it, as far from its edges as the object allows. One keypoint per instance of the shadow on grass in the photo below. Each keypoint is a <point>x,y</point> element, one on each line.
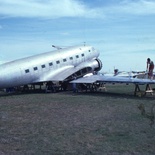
<point>118,95</point>
<point>122,92</point>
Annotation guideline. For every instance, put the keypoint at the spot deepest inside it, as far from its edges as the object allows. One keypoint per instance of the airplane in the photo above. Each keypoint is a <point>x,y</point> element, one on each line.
<point>133,74</point>
<point>57,65</point>
<point>63,64</point>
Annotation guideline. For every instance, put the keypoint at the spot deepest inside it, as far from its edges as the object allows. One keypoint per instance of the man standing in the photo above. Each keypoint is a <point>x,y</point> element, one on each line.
<point>150,67</point>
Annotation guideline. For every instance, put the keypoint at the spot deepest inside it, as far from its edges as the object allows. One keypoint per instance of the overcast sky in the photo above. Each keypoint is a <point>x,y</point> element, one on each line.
<point>122,30</point>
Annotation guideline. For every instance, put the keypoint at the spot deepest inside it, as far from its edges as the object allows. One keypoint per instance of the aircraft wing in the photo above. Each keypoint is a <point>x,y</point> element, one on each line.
<point>112,79</point>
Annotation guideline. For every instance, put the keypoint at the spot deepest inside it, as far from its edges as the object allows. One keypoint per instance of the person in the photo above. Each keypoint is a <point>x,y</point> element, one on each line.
<point>115,72</point>
<point>149,68</point>
<point>74,86</point>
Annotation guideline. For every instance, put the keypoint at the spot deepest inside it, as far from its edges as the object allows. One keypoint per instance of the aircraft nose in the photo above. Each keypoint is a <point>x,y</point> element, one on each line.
<point>97,52</point>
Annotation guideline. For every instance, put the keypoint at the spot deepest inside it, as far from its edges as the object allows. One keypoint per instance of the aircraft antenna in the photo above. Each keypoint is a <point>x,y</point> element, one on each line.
<point>57,47</point>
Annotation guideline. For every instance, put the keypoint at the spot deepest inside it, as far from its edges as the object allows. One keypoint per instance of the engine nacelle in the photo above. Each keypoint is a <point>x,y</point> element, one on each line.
<point>94,65</point>
<point>87,67</point>
<point>98,65</point>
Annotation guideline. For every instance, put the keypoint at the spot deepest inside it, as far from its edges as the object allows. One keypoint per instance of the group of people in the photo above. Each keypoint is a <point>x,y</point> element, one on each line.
<point>149,68</point>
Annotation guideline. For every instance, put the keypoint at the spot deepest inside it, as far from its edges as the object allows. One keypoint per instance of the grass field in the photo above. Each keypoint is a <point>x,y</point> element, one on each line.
<point>104,123</point>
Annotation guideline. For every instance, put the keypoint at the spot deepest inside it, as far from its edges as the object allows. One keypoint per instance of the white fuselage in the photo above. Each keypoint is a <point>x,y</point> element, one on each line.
<point>48,66</point>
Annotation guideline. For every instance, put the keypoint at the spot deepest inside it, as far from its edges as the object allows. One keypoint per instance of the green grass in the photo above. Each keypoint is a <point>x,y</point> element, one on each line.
<point>87,123</point>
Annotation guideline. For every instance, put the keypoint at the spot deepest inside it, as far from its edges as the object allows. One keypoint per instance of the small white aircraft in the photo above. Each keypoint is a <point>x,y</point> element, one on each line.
<point>127,74</point>
<point>58,65</point>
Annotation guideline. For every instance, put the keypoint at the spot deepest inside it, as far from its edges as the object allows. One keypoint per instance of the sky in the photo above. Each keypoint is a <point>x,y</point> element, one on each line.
<point>122,30</point>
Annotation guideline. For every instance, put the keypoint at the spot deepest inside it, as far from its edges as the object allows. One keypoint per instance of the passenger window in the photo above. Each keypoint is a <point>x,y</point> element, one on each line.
<point>50,64</point>
<point>27,71</point>
<point>82,55</point>
<point>43,66</point>
<point>77,56</point>
<point>35,68</point>
<point>71,58</point>
<point>58,62</point>
<point>64,60</point>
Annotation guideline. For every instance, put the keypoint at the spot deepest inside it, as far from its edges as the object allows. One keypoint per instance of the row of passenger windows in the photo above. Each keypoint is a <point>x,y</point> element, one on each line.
<point>51,63</point>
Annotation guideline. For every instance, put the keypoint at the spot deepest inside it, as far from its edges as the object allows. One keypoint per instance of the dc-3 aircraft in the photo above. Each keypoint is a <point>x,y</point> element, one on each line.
<point>58,65</point>
<point>61,65</point>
